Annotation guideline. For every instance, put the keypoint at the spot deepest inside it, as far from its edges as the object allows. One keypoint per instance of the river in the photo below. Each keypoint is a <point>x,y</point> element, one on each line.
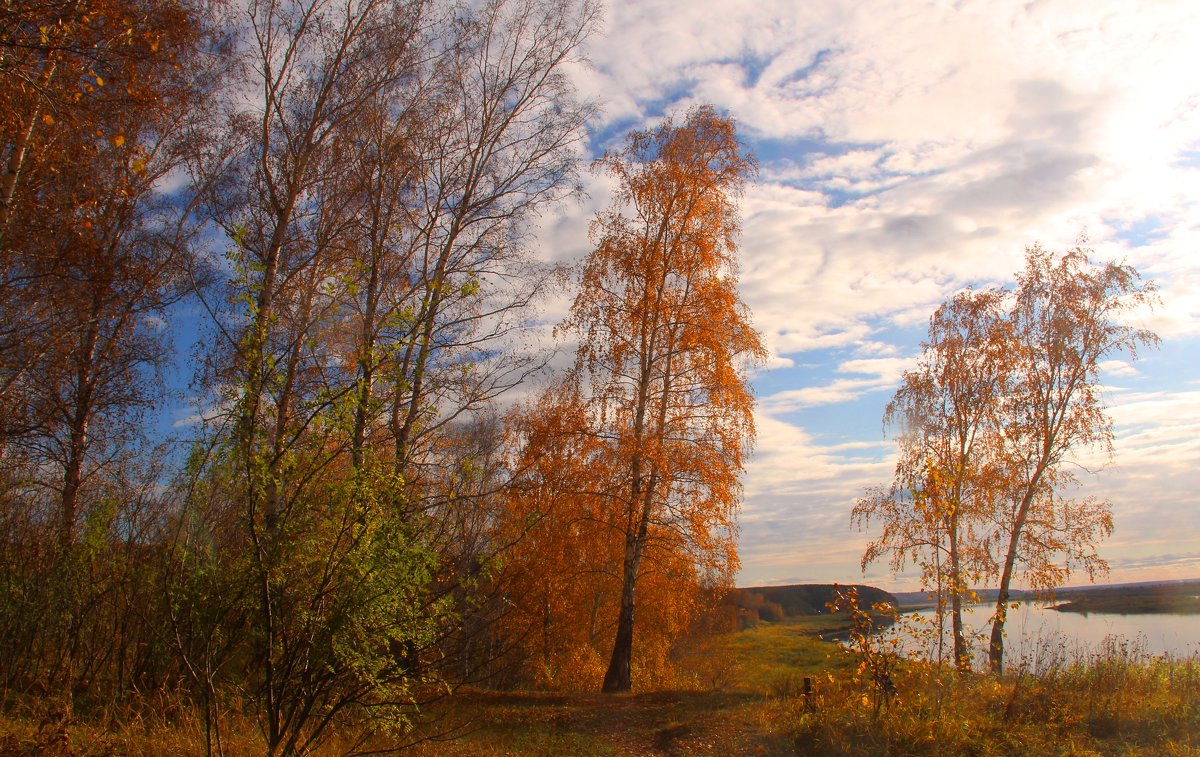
<point>1042,638</point>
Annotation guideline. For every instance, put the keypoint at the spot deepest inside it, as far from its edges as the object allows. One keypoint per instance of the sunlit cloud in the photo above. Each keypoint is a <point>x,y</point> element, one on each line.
<point>906,152</point>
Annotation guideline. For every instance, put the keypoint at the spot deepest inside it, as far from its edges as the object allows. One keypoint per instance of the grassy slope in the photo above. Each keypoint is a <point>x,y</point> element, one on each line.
<point>749,667</point>
<point>753,706</point>
<point>1116,706</point>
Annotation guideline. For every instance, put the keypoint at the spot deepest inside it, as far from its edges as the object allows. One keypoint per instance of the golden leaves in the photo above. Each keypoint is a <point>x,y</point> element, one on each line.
<point>1006,387</point>
<point>658,446</point>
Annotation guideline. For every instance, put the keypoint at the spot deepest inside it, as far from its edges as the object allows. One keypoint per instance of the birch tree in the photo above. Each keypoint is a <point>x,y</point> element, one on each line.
<point>385,157</point>
<point>945,481</point>
<point>94,110</point>
<point>665,341</point>
<point>1069,315</point>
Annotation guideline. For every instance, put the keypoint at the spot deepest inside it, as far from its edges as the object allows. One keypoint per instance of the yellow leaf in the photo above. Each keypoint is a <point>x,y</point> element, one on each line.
<point>99,81</point>
<point>48,119</point>
<point>118,140</point>
<point>139,165</point>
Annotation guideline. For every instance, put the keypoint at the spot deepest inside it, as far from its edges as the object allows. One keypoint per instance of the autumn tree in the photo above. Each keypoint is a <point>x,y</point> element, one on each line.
<point>561,569</point>
<point>1005,399</point>
<point>556,579</point>
<point>946,479</point>
<point>317,553</point>
<point>664,342</point>
<point>93,105</point>
<point>491,138</point>
<point>375,191</point>
<point>95,118</point>
<point>1069,315</point>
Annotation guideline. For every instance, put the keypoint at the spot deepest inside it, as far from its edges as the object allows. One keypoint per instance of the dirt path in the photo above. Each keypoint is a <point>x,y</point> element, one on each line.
<point>659,723</point>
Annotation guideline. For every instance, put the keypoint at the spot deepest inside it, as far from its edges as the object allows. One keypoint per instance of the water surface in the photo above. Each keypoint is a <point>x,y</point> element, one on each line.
<point>1043,638</point>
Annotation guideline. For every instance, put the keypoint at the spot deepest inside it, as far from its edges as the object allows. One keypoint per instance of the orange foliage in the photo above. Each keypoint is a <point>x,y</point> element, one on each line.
<point>634,460</point>
<point>1006,393</point>
<point>946,481</point>
<point>92,120</point>
<point>1069,315</point>
<point>562,572</point>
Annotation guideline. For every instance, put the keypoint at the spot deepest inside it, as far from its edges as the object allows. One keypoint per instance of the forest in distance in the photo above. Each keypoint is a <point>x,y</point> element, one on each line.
<point>396,516</point>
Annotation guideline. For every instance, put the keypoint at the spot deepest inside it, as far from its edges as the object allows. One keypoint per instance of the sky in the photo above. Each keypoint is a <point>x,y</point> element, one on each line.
<point>908,150</point>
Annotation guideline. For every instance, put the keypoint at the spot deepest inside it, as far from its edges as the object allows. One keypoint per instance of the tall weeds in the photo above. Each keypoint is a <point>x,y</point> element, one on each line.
<point>1115,700</point>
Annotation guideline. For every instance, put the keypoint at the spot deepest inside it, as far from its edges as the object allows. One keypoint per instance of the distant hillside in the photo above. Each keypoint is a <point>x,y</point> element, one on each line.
<point>779,602</point>
<point>1182,597</point>
<point>1177,596</point>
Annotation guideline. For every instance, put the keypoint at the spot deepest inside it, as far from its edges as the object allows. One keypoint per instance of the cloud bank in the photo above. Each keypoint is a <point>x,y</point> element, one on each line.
<point>908,150</point>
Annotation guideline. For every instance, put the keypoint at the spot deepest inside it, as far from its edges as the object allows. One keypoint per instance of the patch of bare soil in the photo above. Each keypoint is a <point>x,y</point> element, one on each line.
<point>657,723</point>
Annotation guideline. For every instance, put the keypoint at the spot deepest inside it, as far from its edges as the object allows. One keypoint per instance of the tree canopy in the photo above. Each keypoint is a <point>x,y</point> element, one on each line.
<point>1005,397</point>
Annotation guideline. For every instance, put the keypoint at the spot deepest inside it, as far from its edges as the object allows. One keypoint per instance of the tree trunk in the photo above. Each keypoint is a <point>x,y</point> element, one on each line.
<point>619,677</point>
<point>16,158</point>
<point>366,375</point>
<point>72,480</point>
<point>962,654</point>
<point>996,645</point>
<point>81,413</point>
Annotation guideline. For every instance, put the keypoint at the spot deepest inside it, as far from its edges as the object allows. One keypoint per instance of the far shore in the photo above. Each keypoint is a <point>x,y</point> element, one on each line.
<point>1176,598</point>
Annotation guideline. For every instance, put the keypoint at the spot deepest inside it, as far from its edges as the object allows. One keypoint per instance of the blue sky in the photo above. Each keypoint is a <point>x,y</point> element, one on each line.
<point>908,150</point>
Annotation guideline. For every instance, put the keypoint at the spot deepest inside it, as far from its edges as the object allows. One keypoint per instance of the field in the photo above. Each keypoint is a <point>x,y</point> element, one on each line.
<point>743,694</point>
<point>740,681</point>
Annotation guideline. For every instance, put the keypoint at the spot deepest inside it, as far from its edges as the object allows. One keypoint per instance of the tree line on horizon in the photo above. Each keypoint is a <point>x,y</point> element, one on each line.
<point>363,519</point>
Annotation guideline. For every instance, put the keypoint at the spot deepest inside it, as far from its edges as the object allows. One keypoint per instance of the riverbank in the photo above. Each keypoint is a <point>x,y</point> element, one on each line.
<point>752,701</point>
<point>1176,599</point>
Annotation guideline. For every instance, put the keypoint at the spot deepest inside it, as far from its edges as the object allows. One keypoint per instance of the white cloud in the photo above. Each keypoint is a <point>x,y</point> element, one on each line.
<point>798,498</point>
<point>983,127</point>
<point>881,374</point>
<point>887,369</point>
<point>1117,368</point>
<point>909,150</point>
<point>842,390</point>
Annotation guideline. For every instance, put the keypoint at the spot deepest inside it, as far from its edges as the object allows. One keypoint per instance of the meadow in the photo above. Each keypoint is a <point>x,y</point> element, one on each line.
<point>743,693</point>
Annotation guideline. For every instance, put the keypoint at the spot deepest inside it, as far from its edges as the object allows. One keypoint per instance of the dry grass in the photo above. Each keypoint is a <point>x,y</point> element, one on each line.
<point>1115,702</point>
<point>1108,704</point>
